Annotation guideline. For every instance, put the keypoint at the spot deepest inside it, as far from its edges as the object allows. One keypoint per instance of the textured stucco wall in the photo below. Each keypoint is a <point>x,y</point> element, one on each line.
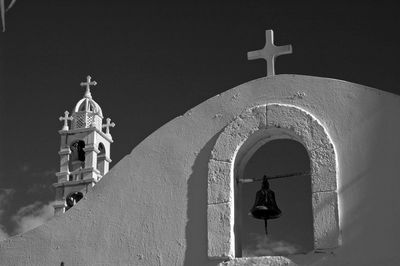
<point>151,208</point>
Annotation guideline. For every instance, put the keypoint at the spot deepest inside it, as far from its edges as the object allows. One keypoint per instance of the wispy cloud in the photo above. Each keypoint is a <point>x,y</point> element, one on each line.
<point>38,188</point>
<point>264,246</point>
<point>32,215</point>
<point>5,193</point>
<point>42,177</point>
<point>3,233</point>
<point>44,173</point>
<point>25,167</point>
<point>5,196</point>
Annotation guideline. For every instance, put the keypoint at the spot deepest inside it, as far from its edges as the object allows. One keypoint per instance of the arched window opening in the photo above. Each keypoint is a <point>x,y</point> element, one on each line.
<point>235,146</point>
<point>288,232</point>
<point>77,158</point>
<point>101,158</point>
<point>82,107</point>
<point>77,152</point>
<point>101,149</point>
<point>72,199</point>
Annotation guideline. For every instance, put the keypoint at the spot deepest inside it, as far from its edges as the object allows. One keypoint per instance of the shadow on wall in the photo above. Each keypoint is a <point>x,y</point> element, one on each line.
<point>366,189</point>
<point>196,227</point>
<point>353,225</point>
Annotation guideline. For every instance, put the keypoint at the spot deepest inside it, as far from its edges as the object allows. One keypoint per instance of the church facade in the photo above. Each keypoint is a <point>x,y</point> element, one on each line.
<point>172,200</point>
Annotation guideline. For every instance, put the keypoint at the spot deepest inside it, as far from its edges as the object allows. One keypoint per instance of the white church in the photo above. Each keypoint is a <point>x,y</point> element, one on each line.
<point>175,199</point>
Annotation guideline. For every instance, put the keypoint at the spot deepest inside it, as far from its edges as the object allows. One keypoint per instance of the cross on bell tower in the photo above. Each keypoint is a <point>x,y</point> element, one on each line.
<point>87,84</point>
<point>84,150</point>
<point>66,118</point>
<point>107,126</point>
<point>269,52</point>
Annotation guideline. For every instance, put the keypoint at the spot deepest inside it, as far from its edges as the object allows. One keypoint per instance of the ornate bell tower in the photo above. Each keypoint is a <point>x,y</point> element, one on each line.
<point>84,151</point>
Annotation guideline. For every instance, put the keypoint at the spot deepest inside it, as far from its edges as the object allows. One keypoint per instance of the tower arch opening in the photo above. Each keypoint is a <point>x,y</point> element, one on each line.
<point>234,147</point>
<point>77,152</point>
<point>77,157</point>
<point>101,157</point>
<point>291,231</point>
<point>72,199</point>
<point>101,148</point>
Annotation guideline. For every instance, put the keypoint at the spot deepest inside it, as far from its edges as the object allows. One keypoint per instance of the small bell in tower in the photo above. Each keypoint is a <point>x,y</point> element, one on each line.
<point>265,206</point>
<point>73,199</point>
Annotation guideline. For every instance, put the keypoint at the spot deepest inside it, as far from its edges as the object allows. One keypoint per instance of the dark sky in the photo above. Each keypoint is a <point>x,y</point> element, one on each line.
<point>154,61</point>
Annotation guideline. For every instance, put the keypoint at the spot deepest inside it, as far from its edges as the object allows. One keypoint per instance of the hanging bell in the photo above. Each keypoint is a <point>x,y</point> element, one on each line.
<point>265,206</point>
<point>72,199</point>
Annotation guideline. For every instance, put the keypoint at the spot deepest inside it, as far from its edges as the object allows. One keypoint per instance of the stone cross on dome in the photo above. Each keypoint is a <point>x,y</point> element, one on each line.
<point>108,125</point>
<point>269,52</point>
<point>65,118</point>
<point>87,84</point>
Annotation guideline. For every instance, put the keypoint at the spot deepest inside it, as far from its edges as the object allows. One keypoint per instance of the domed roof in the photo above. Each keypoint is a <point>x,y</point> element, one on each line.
<point>88,105</point>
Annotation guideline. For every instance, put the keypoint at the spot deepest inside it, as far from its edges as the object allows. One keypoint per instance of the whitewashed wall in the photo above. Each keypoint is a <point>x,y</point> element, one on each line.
<point>151,208</point>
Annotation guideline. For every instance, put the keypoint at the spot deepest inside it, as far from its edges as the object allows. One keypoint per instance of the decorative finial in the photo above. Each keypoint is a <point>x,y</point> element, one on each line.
<point>107,126</point>
<point>87,84</point>
<point>65,118</point>
<point>269,52</point>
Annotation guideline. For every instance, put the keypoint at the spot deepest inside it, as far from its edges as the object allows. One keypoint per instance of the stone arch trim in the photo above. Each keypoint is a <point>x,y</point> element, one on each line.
<point>235,145</point>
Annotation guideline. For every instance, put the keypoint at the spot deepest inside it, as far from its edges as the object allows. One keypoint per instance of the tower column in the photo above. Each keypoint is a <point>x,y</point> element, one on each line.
<point>59,204</point>
<point>59,207</point>
<point>103,162</point>
<point>64,167</point>
<point>90,171</point>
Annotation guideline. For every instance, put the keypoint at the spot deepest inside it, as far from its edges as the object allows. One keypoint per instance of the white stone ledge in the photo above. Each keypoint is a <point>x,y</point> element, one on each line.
<point>326,223</point>
<point>259,261</point>
<point>220,241</point>
<point>104,158</point>
<point>289,260</point>
<point>219,182</point>
<point>90,148</point>
<point>75,182</point>
<point>65,151</point>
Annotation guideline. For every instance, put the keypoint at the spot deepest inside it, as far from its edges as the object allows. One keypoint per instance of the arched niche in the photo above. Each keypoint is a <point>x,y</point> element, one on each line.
<point>235,146</point>
<point>291,232</point>
<point>77,158</point>
<point>77,152</point>
<point>101,148</point>
<point>101,159</point>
